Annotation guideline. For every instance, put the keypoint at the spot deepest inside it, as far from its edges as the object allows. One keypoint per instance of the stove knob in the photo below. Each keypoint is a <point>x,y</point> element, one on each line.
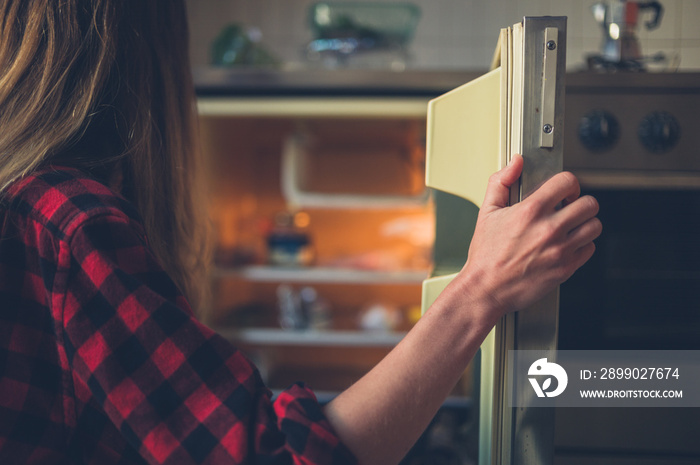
<point>598,130</point>
<point>659,132</point>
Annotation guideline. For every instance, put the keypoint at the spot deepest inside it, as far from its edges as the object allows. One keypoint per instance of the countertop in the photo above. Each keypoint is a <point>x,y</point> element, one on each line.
<point>210,82</point>
<point>326,82</point>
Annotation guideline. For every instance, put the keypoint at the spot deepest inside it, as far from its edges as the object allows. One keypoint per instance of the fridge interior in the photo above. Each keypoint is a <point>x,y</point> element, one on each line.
<point>364,260</point>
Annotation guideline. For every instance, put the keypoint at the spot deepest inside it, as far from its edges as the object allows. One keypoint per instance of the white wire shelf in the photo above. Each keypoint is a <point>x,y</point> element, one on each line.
<point>262,273</point>
<point>322,338</point>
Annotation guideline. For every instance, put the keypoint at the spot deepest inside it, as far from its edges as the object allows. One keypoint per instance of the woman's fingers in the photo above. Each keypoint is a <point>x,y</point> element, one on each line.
<point>498,190</point>
<point>585,233</point>
<point>577,259</point>
<point>562,188</point>
<point>574,214</point>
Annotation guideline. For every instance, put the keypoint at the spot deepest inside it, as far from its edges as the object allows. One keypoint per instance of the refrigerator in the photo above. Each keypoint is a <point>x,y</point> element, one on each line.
<point>472,131</point>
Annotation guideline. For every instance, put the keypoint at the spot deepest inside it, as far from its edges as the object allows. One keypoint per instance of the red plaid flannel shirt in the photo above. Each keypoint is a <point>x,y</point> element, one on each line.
<point>101,359</point>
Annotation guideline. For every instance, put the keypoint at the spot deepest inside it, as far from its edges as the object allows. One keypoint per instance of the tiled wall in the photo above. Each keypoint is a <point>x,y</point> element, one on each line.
<point>452,34</point>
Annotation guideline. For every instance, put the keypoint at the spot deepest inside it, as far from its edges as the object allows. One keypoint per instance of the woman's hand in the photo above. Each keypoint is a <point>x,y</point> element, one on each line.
<point>521,252</point>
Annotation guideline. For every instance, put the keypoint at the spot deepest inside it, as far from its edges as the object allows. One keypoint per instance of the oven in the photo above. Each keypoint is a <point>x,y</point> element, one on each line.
<point>632,139</point>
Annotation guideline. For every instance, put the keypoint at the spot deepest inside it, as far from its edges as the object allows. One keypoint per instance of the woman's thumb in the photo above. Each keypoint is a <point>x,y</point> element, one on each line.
<point>498,190</point>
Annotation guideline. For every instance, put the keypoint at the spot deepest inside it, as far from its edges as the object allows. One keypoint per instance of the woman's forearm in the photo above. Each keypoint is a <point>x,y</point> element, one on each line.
<point>382,415</point>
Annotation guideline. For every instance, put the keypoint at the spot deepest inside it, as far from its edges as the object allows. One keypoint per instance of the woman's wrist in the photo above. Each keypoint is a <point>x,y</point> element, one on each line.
<point>467,306</point>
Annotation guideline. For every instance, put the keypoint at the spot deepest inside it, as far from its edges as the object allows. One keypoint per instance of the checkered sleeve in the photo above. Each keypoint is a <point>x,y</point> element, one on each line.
<point>176,391</point>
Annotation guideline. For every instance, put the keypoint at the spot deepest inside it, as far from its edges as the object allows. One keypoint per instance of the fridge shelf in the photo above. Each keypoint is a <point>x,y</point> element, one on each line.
<point>272,274</point>
<point>325,338</point>
<point>307,107</point>
<point>323,397</point>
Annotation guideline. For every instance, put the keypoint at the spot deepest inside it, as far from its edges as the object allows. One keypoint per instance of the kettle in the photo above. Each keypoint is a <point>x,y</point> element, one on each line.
<point>618,19</point>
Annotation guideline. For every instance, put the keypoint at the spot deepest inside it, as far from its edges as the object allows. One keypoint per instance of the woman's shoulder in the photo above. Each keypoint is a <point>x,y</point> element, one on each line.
<point>62,197</point>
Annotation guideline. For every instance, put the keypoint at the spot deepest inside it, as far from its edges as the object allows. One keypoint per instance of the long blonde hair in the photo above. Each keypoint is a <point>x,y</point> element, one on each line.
<point>105,85</point>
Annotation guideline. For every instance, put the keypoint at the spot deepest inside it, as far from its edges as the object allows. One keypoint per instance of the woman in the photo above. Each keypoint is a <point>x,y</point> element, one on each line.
<point>101,358</point>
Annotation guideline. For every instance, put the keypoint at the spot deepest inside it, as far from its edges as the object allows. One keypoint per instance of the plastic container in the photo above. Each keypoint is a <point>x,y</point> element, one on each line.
<point>384,24</point>
<point>344,30</point>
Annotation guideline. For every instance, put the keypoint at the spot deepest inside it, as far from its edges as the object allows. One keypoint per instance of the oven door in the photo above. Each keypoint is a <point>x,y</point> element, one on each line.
<point>638,292</point>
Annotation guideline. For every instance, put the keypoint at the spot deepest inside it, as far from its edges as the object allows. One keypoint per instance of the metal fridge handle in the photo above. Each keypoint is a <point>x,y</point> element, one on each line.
<point>549,87</point>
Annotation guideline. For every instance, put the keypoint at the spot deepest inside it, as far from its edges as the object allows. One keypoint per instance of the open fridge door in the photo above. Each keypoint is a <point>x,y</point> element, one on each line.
<point>474,130</point>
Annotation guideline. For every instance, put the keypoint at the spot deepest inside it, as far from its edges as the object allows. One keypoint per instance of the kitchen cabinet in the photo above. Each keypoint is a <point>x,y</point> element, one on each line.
<point>348,175</point>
